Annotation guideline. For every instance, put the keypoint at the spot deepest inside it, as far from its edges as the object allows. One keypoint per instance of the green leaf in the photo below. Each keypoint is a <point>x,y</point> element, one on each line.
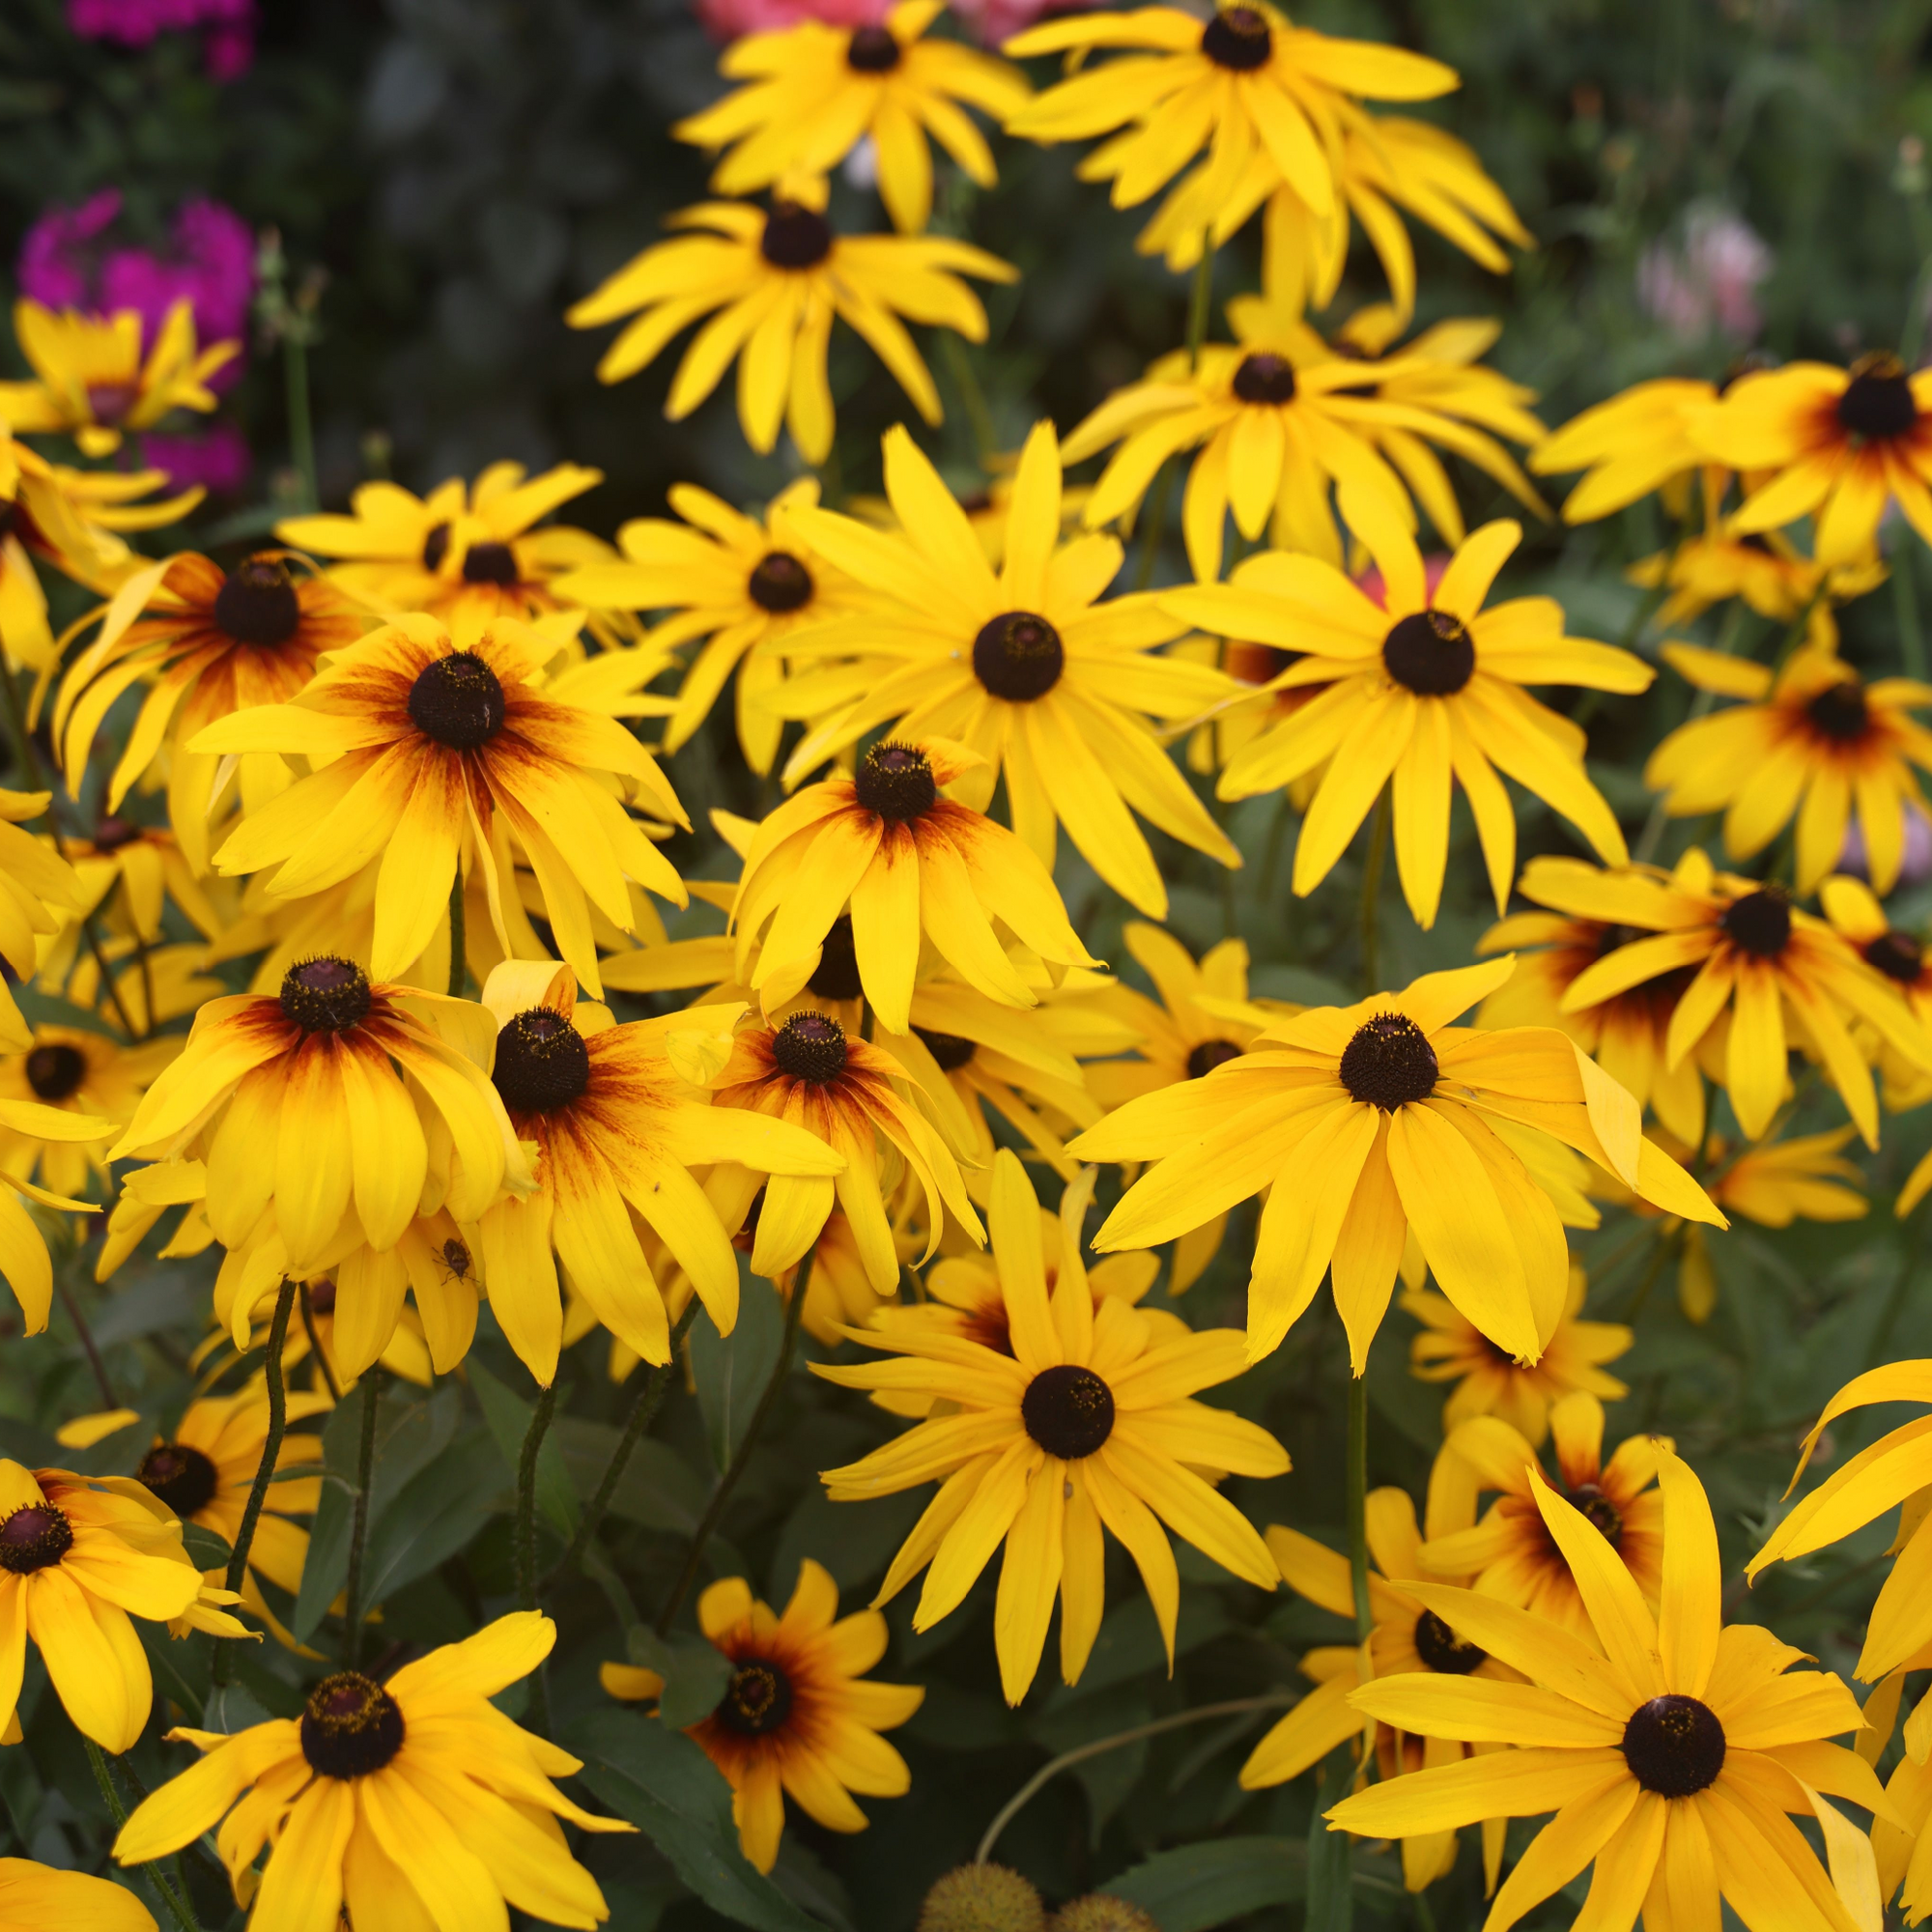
<point>439,1509</point>
<point>1330,1854</point>
<point>694,1672</point>
<point>732,1372</point>
<point>205,1549</point>
<point>508,1416</point>
<point>232,1708</point>
<point>657,1489</point>
<point>665,1786</point>
<point>325,1568</point>
<point>1195,1887</point>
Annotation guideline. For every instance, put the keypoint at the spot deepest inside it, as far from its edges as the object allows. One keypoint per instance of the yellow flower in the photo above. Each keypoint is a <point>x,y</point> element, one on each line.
<point>40,1898</point>
<point>1643,440</point>
<point>38,892</point>
<point>93,1080</point>
<point>1371,1122</point>
<point>1812,739</point>
<point>1450,1347</point>
<point>1091,1421</point>
<point>1858,917</point>
<point>1669,1749</point>
<point>816,91</point>
<point>776,280</point>
<point>799,1716</point>
<point>414,1801</point>
<point>92,382</point>
<point>1051,686</point>
<point>1424,690</point>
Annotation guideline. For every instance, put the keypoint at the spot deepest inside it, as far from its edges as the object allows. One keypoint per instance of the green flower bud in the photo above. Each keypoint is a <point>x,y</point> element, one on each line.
<point>982,1899</point>
<point>1102,1912</point>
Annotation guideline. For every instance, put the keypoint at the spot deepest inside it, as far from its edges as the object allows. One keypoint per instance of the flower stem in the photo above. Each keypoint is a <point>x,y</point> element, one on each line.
<point>315,1344</point>
<point>178,1909</point>
<point>525,1546</point>
<point>302,424</point>
<point>89,1347</point>
<point>1372,893</point>
<point>358,1526</point>
<point>972,398</point>
<point>644,1411</point>
<point>459,937</point>
<point>1358,1504</point>
<point>721,1494</point>
<point>271,1450</point>
<point>1198,304</point>
<point>1155,528</point>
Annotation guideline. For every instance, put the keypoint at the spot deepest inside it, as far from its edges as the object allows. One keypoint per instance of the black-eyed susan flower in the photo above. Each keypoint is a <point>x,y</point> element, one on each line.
<point>814,90</point>
<point>92,1078</point>
<point>1449,1348</point>
<point>1089,1423</point>
<point>203,642</point>
<point>1832,445</point>
<point>1670,1749</point>
<point>43,1898</point>
<point>412,1800</point>
<point>1896,1844</point>
<point>869,1120</point>
<point>913,865</point>
<point>799,1716</point>
<point>1643,440</point>
<point>1778,972</point>
<point>776,280</point>
<point>1371,1122</point>
<point>619,1117</point>
<point>1814,741</point>
<point>438,752</point>
<point>34,1133</point>
<point>92,382</point>
<point>438,1263</point>
<point>1404,1636</point>
<point>38,894</point>
<point>1900,956</point>
<point>1424,690</point>
<point>1025,666</point>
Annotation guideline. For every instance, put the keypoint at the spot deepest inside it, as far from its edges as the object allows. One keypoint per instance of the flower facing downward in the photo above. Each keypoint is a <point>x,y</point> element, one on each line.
<point>797,1715</point>
<point>1090,1422</point>
<point>413,1801</point>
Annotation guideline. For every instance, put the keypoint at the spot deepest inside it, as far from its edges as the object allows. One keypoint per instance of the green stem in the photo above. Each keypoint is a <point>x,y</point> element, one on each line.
<point>301,428</point>
<point>721,1494</point>
<point>527,1499</point>
<point>1425,1913</point>
<point>1371,892</point>
<point>320,1353</point>
<point>1155,528</point>
<point>1665,1245</point>
<point>271,1450</point>
<point>352,1609</point>
<point>178,1909</point>
<point>644,1411</point>
<point>1199,303</point>
<point>1358,1504</point>
<point>72,1303</point>
<point>1905,596</point>
<point>459,937</point>
<point>972,398</point>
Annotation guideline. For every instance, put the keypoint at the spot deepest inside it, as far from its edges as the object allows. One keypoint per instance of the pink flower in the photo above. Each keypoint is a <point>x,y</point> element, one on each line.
<point>1710,281</point>
<point>1370,583</point>
<point>729,19</point>
<point>227,50</point>
<point>993,21</point>
<point>216,458</point>
<point>56,267</point>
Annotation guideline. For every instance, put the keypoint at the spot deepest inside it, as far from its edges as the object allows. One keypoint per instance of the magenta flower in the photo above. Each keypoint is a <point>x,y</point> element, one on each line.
<point>729,19</point>
<point>218,457</point>
<point>229,27</point>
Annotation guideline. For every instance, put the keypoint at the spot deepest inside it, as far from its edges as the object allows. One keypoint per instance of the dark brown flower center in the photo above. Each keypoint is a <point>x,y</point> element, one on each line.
<point>1896,954</point>
<point>1431,652</point>
<point>795,237</point>
<point>111,834</point>
<point>34,1537</point>
<point>110,402</point>
<point>835,977</point>
<point>436,546</point>
<point>781,583</point>
<point>1389,1062</point>
<point>872,51</point>
<point>1840,712</point>
<point>351,1726</point>
<point>810,1047</point>
<point>258,604</point>
<point>1264,377</point>
<point>1068,1410</point>
<point>951,1051</point>
<point>55,1071</point>
<point>757,1700</point>
<point>1674,1746</point>
<point>457,702</point>
<point>895,782</point>
<point>1759,922</point>
<point>326,994</point>
<point>1599,1511</point>
<point>1441,1649</point>
<point>542,1062</point>
<point>1211,1053</point>
<point>1877,401</point>
<point>490,564</point>
<point>1018,657</point>
<point>181,1477</point>
<point>1237,38</point>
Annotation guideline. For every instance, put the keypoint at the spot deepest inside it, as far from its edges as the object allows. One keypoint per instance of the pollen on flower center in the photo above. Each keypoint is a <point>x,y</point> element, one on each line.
<point>757,1701</point>
<point>1431,652</point>
<point>258,604</point>
<point>55,1071</point>
<point>351,1726</point>
<point>1389,1064</point>
<point>897,782</point>
<point>34,1537</point>
<point>795,237</point>
<point>781,583</point>
<point>490,564</point>
<point>951,1051</point>
<point>1599,1511</point>
<point>1896,954</point>
<point>1878,400</point>
<point>1018,656</point>
<point>1674,1746</point>
<point>542,1062</point>
<point>1068,1410</point>
<point>1264,377</point>
<point>811,1047</point>
<point>835,977</point>
<point>872,51</point>
<point>1759,922</point>
<point>457,702</point>
<point>1211,1053</point>
<point>1840,712</point>
<point>326,994</point>
<point>181,1476</point>
<point>1441,1649</point>
<point>1240,39</point>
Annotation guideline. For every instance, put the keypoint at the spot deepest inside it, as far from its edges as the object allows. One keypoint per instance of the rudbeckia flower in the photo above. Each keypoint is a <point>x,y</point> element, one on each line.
<point>42,1898</point>
<point>1091,1422</point>
<point>1645,438</point>
<point>859,1103</point>
<point>38,894</point>
<point>1052,688</point>
<point>815,90</point>
<point>436,753</point>
<point>91,381</point>
<point>911,863</point>
<point>1669,1749</point>
<point>1777,970</point>
<point>1449,1348</point>
<point>619,1117</point>
<point>776,280</point>
<point>1371,1122</point>
<point>129,872</point>
<point>413,1800</point>
<point>30,1132</point>
<point>1424,689</point>
<point>799,1715</point>
<point>1405,1637</point>
<point>93,1080</point>
<point>1813,739</point>
<point>1832,445</point>
<point>1858,917</point>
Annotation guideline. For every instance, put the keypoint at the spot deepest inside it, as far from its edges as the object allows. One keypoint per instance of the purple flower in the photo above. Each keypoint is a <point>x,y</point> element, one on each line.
<point>218,457</point>
<point>227,50</point>
<point>57,267</point>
